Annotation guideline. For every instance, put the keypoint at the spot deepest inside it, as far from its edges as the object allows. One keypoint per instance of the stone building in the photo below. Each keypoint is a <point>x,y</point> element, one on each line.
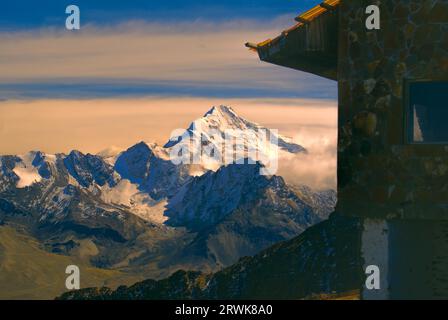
<point>392,130</point>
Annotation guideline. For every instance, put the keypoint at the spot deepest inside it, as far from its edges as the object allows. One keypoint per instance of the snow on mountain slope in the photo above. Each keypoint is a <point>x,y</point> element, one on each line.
<point>148,166</point>
<point>223,137</point>
<point>127,194</point>
<point>26,171</point>
<point>207,199</point>
<point>147,178</point>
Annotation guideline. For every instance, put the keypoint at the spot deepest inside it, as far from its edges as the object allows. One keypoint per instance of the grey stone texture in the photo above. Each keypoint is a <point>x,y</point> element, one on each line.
<point>380,174</point>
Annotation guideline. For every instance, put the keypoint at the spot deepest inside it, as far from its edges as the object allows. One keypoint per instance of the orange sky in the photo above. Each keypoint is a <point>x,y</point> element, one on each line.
<point>94,125</point>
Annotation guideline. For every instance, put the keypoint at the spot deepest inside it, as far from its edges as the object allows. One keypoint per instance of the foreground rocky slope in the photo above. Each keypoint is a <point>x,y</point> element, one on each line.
<point>322,260</point>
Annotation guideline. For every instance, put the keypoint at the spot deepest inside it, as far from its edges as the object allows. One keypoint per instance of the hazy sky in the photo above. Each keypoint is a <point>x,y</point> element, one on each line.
<point>200,59</point>
<point>140,48</point>
<point>138,69</point>
<point>95,125</point>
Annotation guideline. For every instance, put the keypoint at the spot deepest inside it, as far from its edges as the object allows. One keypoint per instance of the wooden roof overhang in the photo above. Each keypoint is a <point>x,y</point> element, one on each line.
<point>310,46</point>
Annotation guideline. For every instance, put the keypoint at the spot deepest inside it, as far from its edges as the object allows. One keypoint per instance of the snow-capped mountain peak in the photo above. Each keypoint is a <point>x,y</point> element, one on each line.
<point>223,118</point>
<point>222,137</point>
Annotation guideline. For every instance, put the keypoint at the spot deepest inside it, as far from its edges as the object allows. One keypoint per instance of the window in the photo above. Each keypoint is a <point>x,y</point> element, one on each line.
<point>427,112</point>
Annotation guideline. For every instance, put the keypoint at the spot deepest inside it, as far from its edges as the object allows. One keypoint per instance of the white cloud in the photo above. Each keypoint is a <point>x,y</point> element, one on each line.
<point>317,169</point>
<point>198,51</point>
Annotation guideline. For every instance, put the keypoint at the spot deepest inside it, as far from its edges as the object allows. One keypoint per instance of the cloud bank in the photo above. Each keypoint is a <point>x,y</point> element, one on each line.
<point>193,57</point>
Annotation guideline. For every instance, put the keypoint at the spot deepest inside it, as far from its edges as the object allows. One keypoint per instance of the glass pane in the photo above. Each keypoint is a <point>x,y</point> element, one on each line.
<point>428,112</point>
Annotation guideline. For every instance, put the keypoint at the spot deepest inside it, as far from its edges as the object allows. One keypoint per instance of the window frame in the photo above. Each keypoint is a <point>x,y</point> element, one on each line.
<point>406,110</point>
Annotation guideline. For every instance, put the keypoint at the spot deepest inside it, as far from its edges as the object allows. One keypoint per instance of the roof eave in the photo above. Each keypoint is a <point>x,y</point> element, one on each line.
<point>309,46</point>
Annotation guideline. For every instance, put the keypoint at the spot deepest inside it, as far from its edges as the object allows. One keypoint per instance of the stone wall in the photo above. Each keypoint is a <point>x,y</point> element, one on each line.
<point>379,174</point>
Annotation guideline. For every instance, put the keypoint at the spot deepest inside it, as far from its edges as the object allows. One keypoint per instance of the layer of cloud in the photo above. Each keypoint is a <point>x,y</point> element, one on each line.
<point>195,56</point>
<point>317,169</point>
<point>193,52</point>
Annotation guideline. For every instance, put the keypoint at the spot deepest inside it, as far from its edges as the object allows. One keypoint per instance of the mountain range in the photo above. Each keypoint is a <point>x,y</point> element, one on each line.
<point>137,212</point>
